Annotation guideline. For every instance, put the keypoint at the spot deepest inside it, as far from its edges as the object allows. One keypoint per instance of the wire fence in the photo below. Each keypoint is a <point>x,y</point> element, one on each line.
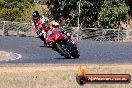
<point>98,34</point>
<point>15,28</point>
<point>8,28</point>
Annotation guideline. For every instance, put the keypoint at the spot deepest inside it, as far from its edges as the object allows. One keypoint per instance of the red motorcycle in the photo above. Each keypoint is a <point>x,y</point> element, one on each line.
<point>62,44</point>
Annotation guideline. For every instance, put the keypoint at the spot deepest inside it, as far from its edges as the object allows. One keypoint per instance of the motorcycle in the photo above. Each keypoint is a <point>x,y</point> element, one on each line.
<point>62,44</point>
<point>59,41</point>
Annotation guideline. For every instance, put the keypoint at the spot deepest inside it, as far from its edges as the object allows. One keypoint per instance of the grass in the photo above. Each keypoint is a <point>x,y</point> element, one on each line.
<point>56,76</point>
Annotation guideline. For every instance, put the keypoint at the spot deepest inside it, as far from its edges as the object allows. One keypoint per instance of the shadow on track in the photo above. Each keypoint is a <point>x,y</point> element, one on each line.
<point>65,58</point>
<point>46,46</point>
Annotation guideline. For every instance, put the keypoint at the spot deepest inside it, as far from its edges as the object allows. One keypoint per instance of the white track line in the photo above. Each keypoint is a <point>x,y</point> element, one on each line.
<point>18,57</point>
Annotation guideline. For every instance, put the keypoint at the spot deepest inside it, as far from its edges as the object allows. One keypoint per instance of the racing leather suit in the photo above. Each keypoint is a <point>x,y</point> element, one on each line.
<point>53,24</point>
<point>41,26</point>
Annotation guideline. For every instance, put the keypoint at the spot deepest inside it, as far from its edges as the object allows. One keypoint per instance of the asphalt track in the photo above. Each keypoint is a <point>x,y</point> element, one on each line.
<point>92,52</point>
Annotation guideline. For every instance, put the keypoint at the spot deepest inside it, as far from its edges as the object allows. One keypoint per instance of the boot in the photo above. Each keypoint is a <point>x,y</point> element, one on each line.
<point>44,41</point>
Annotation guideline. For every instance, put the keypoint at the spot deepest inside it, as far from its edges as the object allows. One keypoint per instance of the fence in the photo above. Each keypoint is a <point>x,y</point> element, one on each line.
<point>96,34</point>
<point>25,29</point>
<point>15,28</point>
<point>75,32</point>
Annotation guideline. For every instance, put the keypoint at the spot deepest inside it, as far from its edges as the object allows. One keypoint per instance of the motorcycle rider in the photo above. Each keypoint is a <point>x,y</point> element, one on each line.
<point>53,24</point>
<point>56,24</point>
<point>39,22</point>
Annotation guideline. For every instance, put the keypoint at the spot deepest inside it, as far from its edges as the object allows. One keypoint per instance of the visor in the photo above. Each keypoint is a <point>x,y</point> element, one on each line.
<point>35,18</point>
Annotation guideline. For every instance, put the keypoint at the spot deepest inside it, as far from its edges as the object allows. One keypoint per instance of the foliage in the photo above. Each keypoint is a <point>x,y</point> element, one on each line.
<point>1,0</point>
<point>67,9</point>
<point>94,13</point>
<point>111,14</point>
<point>89,12</point>
<point>129,4</point>
<point>13,10</point>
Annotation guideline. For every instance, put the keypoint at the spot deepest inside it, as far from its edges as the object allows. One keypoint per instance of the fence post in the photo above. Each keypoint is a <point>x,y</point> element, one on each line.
<point>78,33</point>
<point>118,35</point>
<point>81,34</point>
<point>3,29</point>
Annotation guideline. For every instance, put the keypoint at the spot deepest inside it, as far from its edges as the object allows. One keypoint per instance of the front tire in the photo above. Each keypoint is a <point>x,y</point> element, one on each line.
<point>73,48</point>
<point>75,53</point>
<point>61,51</point>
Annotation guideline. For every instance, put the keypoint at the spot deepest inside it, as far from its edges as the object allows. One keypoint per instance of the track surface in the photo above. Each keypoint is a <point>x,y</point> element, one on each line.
<point>32,51</point>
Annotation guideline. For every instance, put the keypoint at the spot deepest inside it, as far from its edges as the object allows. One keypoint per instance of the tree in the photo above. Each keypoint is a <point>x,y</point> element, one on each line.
<point>89,12</point>
<point>13,10</point>
<point>112,13</point>
<point>129,3</point>
<point>68,9</point>
<point>94,13</point>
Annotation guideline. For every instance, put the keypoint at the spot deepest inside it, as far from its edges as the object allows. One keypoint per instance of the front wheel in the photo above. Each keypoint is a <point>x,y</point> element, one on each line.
<point>61,50</point>
<point>67,49</point>
<point>73,50</point>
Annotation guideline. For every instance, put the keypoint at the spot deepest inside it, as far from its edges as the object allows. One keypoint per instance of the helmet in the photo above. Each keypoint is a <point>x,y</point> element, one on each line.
<point>35,15</point>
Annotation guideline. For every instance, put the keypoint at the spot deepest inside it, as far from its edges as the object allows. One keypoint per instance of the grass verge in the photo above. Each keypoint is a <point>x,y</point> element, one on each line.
<point>56,76</point>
